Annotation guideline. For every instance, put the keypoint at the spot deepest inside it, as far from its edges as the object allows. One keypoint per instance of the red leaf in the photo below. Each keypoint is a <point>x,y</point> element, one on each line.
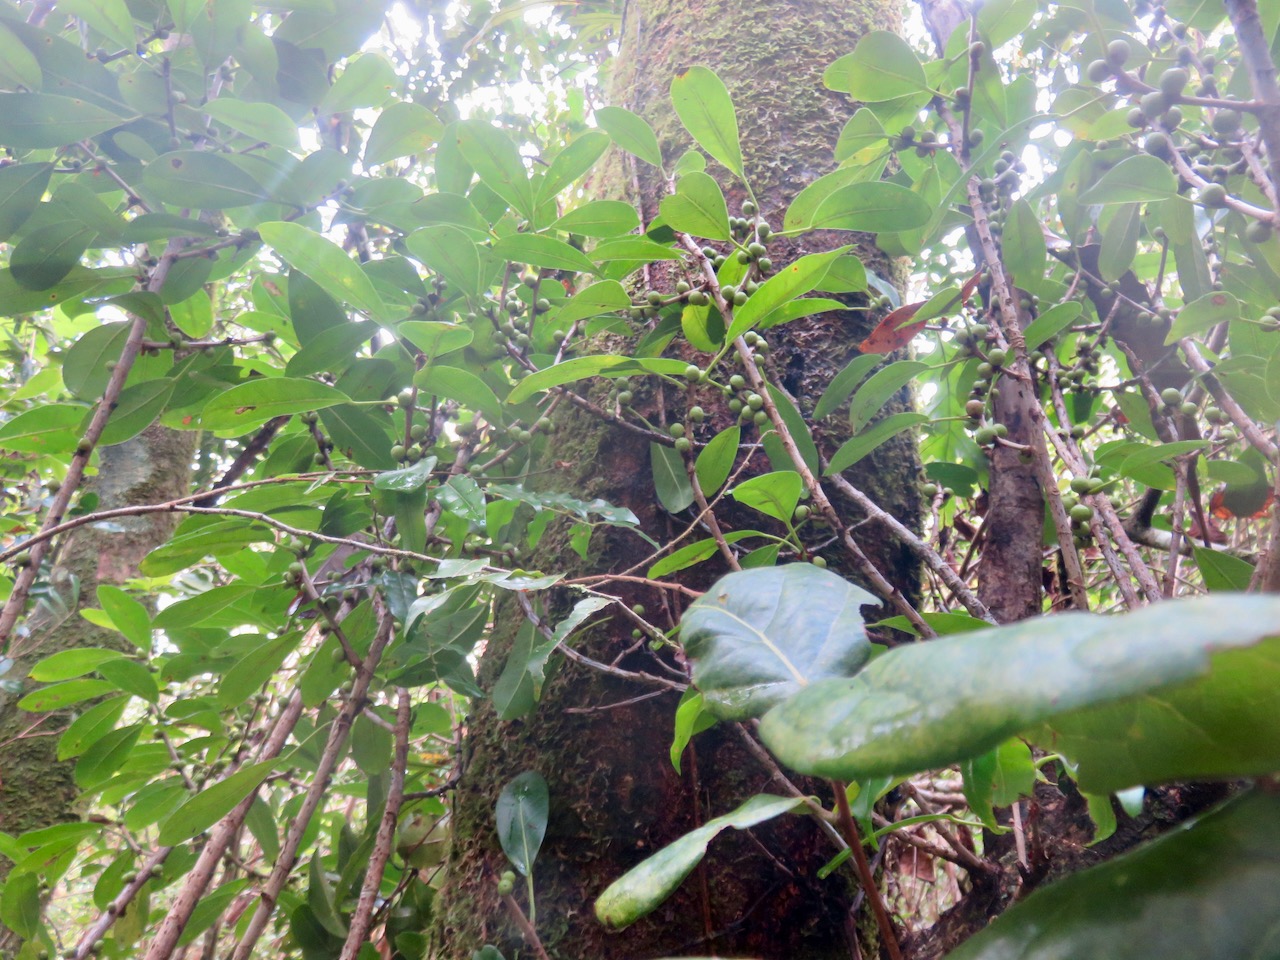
<point>889,334</point>
<point>970,285</point>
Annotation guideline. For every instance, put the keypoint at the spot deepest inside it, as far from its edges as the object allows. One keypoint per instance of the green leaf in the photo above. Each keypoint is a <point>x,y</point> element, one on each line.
<point>434,338</point>
<point>136,409</point>
<point>795,279</point>
<point>883,384</point>
<point>37,121</point>
<point>1022,245</point>
<point>695,553</point>
<point>579,368</point>
<point>543,251</point>
<point>844,383</point>
<point>773,494</point>
<point>450,252</point>
<point>599,218</point>
<point>715,461</point>
<point>1119,241</point>
<point>127,615</point>
<point>249,405</point>
<point>255,668</point>
<point>21,187</point>
<point>642,888</point>
<point>1202,314</point>
<point>1205,889</point>
<point>50,429</point>
<point>47,254</point>
<point>875,207</point>
<point>461,385</point>
<point>571,163</point>
<point>633,248</point>
<point>367,81</point>
<point>870,438</point>
<point>332,349</point>
<point>70,664</point>
<point>1133,180</point>
<point>1221,571</point>
<point>703,105</point>
<point>1051,323</point>
<point>20,904</point>
<point>697,208</point>
<point>327,264</point>
<point>195,178</point>
<point>631,133</point>
<point>691,719</point>
<point>261,121</point>
<point>759,636</point>
<point>521,814</point>
<point>401,129</point>
<point>604,296</point>
<point>497,163</point>
<point>18,66</point>
<point>670,481</point>
<point>61,695</point>
<point>882,67</point>
<point>212,804</point>
<point>1113,693</point>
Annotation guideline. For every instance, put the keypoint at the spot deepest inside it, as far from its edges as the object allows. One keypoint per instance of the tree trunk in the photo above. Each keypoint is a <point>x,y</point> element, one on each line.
<point>615,797</point>
<point>36,789</point>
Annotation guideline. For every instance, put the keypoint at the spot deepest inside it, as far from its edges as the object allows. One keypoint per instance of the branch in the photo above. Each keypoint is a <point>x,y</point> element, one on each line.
<point>1256,51</point>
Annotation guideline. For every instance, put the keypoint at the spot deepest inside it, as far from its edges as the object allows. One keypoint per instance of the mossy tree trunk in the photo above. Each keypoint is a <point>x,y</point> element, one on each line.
<point>615,797</point>
<point>36,788</point>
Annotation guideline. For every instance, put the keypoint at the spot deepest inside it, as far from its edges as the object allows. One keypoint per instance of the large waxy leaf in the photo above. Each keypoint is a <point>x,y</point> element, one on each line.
<point>327,264</point>
<point>642,888</point>
<point>50,429</point>
<point>34,121</point>
<point>875,207</point>
<point>21,187</point>
<point>262,121</point>
<point>758,636</point>
<point>46,255</point>
<point>543,251</point>
<point>251,404</point>
<point>793,280</point>
<point>210,805</point>
<point>571,163</point>
<point>670,479</point>
<point>1137,178</point>
<point>521,813</point>
<point>600,218</point>
<point>196,179</point>
<point>631,133</point>
<point>402,129</point>
<point>703,105</point>
<point>1130,694</point>
<point>882,67</point>
<point>450,252</point>
<point>599,298</point>
<point>697,207</point>
<point>1207,890</point>
<point>602,365</point>
<point>497,163</point>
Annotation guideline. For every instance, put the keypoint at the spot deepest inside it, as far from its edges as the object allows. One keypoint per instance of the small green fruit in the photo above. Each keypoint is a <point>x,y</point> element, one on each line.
<point>1171,396</point>
<point>1082,513</point>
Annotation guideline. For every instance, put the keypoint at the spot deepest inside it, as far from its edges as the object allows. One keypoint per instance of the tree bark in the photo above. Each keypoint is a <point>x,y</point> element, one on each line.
<point>615,797</point>
<point>36,789</point>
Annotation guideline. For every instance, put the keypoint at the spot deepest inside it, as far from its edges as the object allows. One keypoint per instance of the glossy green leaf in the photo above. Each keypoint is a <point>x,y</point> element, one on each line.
<point>599,218</point>
<point>642,888</point>
<point>875,207</point>
<point>1221,571</point>
<point>631,133</point>
<point>694,553</point>
<point>633,248</point>
<point>882,67</point>
<point>138,406</point>
<point>759,636</point>
<point>248,405</point>
<point>333,349</point>
<point>1051,323</point>
<point>327,264</point>
<point>715,460</point>
<point>450,252</point>
<point>461,385</point>
<point>602,365</point>
<point>795,279</point>
<point>521,814</point>
<point>1204,889</point>
<point>47,254</point>
<point>18,66</point>
<point>127,615</point>
<point>66,694</point>
<point>1119,241</point>
<point>50,429</point>
<point>883,384</point>
<point>571,163</point>
<point>702,103</point>
<point>434,337</point>
<point>21,187</point>
<point>497,163</point>
<point>773,494</point>
<point>604,296</point>
<point>1133,180</point>
<point>1132,682</point>
<point>401,129</point>
<point>70,664</point>
<point>844,383</point>
<point>367,81</point>
<point>261,121</point>
<point>194,178</point>
<point>670,480</point>
<point>870,438</point>
<point>1202,314</point>
<point>1022,245</point>
<point>213,803</point>
<point>538,250</point>
<point>35,121</point>
<point>697,208</point>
